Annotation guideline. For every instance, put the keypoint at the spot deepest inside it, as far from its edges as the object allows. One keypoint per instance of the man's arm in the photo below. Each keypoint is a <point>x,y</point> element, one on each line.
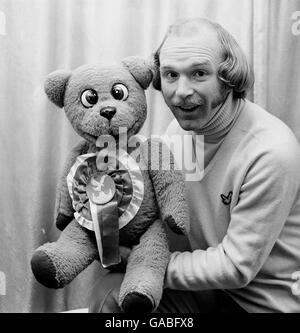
<point>265,201</point>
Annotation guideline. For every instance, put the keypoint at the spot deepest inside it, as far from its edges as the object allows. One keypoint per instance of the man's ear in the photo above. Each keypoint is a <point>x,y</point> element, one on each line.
<point>55,85</point>
<point>140,69</point>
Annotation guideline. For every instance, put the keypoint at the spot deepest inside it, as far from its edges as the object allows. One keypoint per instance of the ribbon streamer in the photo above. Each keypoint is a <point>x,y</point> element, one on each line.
<point>106,225</point>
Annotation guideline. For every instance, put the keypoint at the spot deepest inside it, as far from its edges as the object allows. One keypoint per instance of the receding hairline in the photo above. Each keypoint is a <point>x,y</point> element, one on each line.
<point>197,29</point>
<point>189,25</point>
<point>193,27</point>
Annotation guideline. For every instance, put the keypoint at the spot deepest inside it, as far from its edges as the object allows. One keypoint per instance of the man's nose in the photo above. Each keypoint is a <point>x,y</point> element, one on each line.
<point>184,88</point>
<point>108,112</point>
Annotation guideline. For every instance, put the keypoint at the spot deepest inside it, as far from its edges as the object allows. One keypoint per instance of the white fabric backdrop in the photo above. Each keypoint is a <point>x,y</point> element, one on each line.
<point>39,36</point>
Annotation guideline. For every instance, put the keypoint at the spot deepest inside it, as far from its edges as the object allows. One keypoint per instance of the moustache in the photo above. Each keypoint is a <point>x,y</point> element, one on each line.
<point>190,104</point>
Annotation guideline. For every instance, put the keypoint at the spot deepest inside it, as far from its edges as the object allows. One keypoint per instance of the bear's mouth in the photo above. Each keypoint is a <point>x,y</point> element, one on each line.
<point>93,138</point>
<point>112,130</point>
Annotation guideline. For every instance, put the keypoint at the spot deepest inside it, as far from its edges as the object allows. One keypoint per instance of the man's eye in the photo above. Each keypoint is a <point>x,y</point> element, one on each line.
<point>199,73</point>
<point>170,75</point>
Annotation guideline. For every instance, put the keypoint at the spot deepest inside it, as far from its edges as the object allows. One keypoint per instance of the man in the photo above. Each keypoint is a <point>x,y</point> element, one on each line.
<point>245,210</point>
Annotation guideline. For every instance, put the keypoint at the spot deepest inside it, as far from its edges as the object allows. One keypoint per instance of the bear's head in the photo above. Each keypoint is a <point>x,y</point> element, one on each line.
<point>101,99</point>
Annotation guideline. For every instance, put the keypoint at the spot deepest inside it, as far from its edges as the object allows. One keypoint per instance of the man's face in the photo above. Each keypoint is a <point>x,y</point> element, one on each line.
<point>189,82</point>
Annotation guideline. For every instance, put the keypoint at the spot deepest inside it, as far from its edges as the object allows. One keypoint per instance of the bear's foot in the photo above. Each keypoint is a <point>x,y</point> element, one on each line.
<point>137,303</point>
<point>58,263</point>
<point>44,270</point>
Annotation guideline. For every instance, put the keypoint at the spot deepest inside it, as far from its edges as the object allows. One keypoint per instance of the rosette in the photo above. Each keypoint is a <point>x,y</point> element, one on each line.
<point>105,201</point>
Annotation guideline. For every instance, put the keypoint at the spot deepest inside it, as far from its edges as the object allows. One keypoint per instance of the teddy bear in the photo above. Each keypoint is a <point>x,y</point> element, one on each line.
<point>117,192</point>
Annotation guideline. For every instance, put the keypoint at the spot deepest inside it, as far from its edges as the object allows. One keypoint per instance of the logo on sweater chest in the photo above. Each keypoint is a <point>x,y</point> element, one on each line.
<point>226,199</point>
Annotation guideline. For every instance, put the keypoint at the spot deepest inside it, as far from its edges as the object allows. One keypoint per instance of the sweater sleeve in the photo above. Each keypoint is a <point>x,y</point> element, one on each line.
<point>266,198</point>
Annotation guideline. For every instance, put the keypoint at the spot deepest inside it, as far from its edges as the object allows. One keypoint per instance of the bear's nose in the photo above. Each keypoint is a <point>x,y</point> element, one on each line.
<point>108,112</point>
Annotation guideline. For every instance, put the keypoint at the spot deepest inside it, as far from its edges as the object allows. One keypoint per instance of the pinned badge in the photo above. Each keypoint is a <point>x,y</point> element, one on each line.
<point>101,189</point>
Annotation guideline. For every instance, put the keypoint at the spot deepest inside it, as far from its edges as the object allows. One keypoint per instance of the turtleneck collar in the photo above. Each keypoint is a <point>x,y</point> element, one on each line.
<point>223,119</point>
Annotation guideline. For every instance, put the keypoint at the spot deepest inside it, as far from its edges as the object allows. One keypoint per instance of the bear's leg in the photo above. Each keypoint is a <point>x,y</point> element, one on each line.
<point>57,264</point>
<point>142,286</point>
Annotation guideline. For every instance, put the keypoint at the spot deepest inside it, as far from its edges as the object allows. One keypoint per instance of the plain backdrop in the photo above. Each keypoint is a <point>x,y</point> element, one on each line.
<point>39,36</point>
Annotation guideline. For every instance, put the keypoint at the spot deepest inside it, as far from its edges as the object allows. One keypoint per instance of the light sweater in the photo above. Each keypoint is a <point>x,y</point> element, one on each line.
<point>245,212</point>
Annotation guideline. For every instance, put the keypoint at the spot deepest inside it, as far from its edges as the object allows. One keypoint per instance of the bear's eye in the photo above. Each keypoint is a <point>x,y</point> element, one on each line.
<point>119,92</point>
<point>89,98</point>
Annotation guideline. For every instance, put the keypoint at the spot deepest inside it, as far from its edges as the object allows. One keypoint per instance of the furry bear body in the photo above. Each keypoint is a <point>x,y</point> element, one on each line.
<point>98,101</point>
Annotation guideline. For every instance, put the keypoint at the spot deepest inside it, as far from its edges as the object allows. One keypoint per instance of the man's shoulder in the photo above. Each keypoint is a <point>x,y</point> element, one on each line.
<point>265,129</point>
<point>262,136</point>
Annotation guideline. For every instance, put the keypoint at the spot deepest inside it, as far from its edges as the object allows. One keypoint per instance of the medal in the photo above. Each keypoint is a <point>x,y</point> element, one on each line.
<point>100,189</point>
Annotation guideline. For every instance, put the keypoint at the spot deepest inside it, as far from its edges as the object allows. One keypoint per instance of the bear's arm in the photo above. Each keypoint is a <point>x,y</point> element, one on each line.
<point>168,183</point>
<point>63,204</point>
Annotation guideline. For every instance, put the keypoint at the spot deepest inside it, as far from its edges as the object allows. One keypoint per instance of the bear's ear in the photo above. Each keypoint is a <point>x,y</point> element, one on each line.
<point>55,85</point>
<point>140,69</point>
